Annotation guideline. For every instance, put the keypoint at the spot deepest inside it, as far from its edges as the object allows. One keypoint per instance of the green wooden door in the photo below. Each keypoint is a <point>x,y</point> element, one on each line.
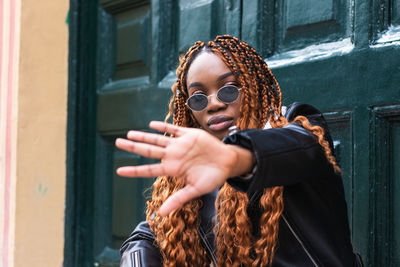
<point>340,55</point>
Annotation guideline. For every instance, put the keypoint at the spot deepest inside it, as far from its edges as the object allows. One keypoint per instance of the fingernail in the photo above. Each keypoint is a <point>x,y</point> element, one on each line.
<point>155,122</point>
<point>121,171</point>
<point>121,141</point>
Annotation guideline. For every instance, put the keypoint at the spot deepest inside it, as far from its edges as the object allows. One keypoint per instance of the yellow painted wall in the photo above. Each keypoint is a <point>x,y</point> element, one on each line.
<point>41,138</point>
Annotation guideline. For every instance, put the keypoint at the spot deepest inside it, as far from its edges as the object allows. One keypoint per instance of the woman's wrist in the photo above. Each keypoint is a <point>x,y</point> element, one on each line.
<point>243,161</point>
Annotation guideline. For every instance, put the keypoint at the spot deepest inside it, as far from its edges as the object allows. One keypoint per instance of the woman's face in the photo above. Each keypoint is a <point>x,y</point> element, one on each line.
<point>206,75</point>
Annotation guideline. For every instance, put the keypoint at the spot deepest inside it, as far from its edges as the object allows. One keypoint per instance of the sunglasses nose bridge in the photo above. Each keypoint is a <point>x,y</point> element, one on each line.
<point>213,99</point>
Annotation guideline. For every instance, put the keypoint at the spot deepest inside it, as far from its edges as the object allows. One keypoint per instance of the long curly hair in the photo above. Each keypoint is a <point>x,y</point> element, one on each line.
<point>177,233</point>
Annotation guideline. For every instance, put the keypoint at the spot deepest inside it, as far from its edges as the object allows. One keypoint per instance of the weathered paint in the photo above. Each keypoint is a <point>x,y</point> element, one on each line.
<point>390,37</point>
<point>311,53</point>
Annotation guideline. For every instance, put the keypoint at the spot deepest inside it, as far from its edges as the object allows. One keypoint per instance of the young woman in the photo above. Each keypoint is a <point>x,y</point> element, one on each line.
<point>242,181</point>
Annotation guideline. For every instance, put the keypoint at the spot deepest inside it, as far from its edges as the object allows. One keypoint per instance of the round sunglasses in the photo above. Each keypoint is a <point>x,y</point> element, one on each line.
<point>226,94</point>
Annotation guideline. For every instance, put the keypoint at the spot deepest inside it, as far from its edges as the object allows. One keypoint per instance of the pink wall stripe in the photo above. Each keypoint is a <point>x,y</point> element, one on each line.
<point>7,200</point>
<point>4,251</point>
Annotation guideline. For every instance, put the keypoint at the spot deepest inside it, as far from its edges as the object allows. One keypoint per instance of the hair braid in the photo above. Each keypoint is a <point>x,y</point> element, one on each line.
<point>318,131</point>
<point>233,231</point>
<point>272,204</point>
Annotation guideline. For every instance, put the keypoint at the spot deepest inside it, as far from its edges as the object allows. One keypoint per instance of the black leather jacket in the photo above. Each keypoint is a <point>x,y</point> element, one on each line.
<point>313,228</point>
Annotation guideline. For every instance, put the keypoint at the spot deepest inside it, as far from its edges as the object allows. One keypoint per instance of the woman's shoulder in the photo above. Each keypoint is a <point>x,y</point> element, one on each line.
<point>140,249</point>
<point>300,109</point>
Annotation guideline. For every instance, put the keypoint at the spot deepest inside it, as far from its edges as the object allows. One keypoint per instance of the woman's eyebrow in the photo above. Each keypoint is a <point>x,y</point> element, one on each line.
<point>223,76</point>
<point>194,85</point>
<point>220,78</point>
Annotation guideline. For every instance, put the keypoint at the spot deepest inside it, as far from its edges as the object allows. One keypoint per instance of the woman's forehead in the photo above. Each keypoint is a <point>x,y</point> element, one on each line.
<point>207,65</point>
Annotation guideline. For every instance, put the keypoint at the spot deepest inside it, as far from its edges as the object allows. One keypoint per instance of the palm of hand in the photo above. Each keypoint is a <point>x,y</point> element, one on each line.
<point>200,159</point>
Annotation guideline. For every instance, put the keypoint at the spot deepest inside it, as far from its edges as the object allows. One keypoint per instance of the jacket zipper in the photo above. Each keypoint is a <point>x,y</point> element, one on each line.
<point>205,241</point>
<point>299,240</point>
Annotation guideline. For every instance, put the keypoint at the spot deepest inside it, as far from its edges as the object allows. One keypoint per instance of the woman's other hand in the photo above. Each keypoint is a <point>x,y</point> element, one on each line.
<point>202,160</point>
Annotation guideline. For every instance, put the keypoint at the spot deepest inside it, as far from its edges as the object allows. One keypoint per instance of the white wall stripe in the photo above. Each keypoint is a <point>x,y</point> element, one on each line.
<point>9,63</point>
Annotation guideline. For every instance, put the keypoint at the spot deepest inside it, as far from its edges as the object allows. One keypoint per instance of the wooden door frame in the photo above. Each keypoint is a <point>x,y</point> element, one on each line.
<point>81,125</point>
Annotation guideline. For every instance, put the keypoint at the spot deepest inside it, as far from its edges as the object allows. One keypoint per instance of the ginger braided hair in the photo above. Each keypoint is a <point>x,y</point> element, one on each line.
<point>176,234</point>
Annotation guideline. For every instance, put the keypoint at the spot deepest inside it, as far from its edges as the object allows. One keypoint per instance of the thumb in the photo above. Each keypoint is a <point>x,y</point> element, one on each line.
<point>178,199</point>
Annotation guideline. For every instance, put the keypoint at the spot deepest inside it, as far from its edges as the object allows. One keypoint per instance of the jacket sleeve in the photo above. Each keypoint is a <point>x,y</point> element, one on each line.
<point>139,250</point>
<point>284,156</point>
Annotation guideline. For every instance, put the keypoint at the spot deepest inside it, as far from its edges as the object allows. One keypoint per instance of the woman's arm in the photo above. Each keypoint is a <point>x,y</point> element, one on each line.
<point>200,159</point>
<point>284,156</point>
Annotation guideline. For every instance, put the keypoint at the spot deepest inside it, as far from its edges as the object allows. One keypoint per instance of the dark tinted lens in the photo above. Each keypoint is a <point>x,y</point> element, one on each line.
<point>228,94</point>
<point>197,102</point>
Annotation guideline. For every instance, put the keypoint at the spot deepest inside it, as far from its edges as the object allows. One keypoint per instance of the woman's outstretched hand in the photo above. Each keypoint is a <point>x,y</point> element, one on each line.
<point>202,160</point>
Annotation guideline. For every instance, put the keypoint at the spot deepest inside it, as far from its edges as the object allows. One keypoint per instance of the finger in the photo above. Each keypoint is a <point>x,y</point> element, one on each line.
<point>149,138</point>
<point>146,150</point>
<point>176,200</point>
<point>167,128</point>
<point>149,170</point>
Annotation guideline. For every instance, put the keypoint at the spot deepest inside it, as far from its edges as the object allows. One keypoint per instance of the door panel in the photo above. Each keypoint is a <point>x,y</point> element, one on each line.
<point>133,36</point>
<point>195,15</point>
<point>386,181</point>
<point>395,188</point>
<point>129,198</point>
<point>395,12</point>
<point>340,126</point>
<point>309,22</point>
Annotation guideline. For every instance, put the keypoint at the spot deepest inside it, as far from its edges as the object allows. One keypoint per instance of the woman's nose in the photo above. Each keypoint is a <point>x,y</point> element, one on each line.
<point>214,103</point>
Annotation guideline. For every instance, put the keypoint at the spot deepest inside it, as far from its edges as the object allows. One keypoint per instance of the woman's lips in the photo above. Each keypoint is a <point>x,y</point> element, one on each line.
<point>219,122</point>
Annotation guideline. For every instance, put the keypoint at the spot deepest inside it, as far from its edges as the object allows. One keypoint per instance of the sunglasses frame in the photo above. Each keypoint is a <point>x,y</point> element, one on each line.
<point>208,98</point>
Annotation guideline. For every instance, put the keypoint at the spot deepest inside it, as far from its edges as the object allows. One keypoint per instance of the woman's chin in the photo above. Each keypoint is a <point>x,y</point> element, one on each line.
<point>218,134</point>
